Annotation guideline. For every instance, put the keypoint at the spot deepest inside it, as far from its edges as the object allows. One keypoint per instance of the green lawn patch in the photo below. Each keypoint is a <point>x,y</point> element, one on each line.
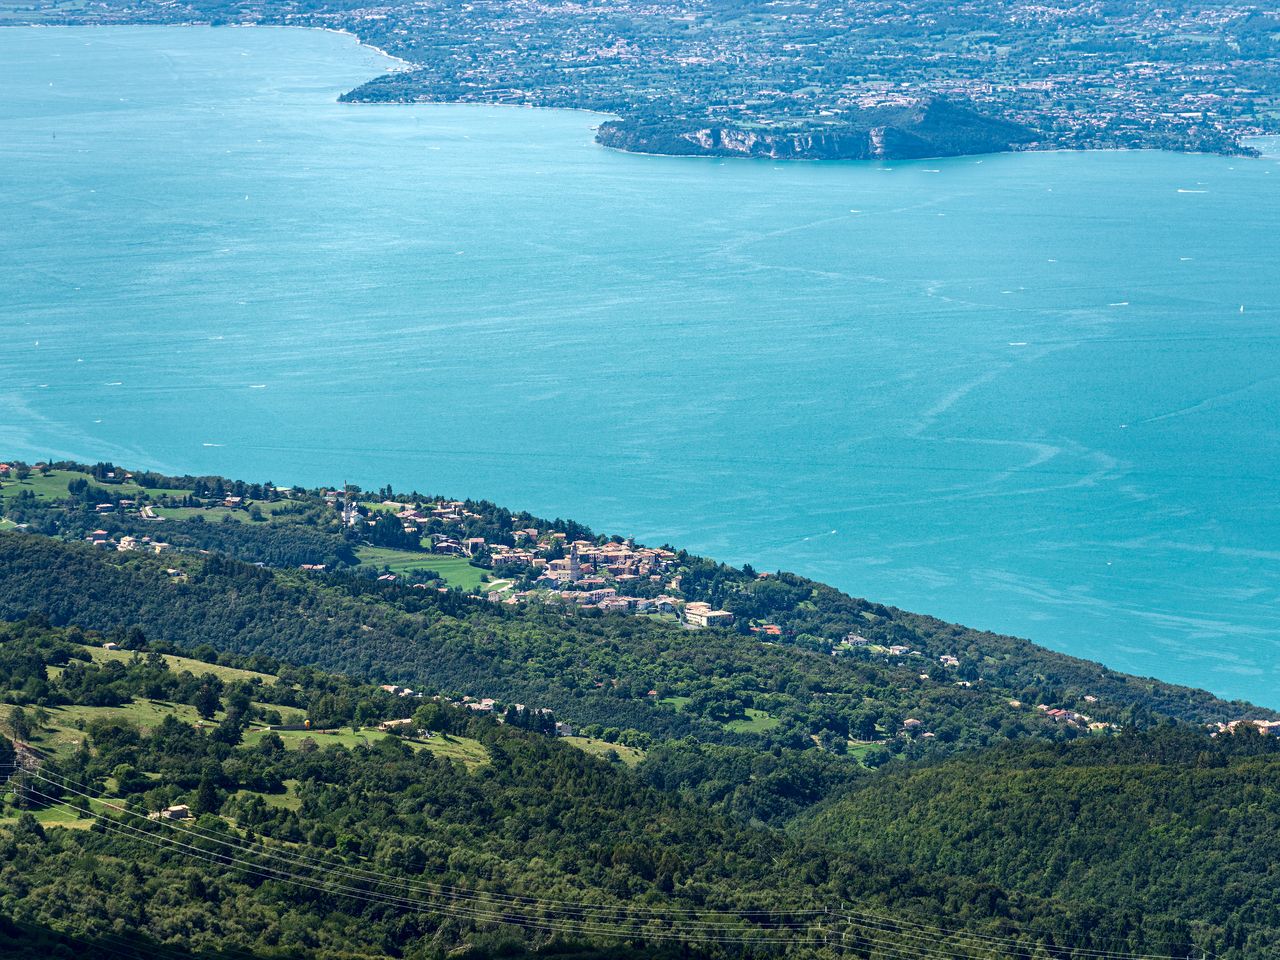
<point>217,514</point>
<point>381,507</point>
<point>62,734</point>
<point>211,514</point>
<point>756,721</point>
<point>177,664</point>
<point>60,816</point>
<point>457,571</point>
<point>858,749</point>
<point>289,800</point>
<point>470,753</point>
<point>602,748</point>
<point>54,486</point>
<point>675,703</point>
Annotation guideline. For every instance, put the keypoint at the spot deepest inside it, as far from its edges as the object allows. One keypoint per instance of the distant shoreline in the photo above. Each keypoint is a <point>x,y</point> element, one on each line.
<point>405,65</point>
<point>401,65</point>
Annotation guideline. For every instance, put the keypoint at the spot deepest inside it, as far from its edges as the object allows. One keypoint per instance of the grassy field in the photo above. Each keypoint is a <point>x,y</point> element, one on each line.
<point>212,514</point>
<point>382,507</point>
<point>289,800</point>
<point>859,750</point>
<point>756,721</point>
<point>178,664</point>
<point>457,571</point>
<point>62,734</point>
<point>675,703</point>
<point>54,486</point>
<point>599,748</point>
<point>217,514</point>
<point>58,816</point>
<point>470,753</point>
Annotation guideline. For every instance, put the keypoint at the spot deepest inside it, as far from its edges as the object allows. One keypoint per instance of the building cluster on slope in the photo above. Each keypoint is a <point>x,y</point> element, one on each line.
<point>125,544</point>
<point>1270,727</point>
<point>584,573</point>
<point>482,705</point>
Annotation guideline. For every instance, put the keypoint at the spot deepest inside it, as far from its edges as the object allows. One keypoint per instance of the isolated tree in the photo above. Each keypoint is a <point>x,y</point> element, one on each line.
<point>239,699</point>
<point>206,701</point>
<point>207,792</point>
<point>429,716</point>
<point>228,731</point>
<point>863,725</point>
<point>20,724</point>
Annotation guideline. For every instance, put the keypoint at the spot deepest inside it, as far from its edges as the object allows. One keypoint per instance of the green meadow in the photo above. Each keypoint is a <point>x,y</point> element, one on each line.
<point>457,571</point>
<point>602,748</point>
<point>470,753</point>
<point>756,721</point>
<point>178,664</point>
<point>54,486</point>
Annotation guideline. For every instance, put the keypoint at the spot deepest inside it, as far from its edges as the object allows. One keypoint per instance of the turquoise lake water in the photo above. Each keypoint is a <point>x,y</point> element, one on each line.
<point>1015,391</point>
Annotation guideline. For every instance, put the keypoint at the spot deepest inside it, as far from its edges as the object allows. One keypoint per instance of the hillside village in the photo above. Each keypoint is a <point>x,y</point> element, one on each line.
<point>516,559</point>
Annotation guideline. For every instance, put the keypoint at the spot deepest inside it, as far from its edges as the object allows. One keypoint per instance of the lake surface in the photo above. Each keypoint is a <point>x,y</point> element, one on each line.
<point>1037,394</point>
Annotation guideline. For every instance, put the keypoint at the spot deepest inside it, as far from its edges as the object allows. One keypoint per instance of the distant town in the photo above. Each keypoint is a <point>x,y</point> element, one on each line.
<point>809,79</point>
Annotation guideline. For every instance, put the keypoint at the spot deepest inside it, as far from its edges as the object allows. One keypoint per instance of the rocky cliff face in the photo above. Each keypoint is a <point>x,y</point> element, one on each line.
<point>929,129</point>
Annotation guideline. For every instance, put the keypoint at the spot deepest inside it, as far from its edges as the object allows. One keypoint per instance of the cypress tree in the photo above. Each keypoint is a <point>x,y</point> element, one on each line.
<point>207,793</point>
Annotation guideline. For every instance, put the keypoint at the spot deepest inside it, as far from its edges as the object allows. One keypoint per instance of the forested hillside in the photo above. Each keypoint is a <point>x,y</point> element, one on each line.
<point>387,764</point>
<point>876,666</point>
<point>1164,824</point>
<point>378,844</point>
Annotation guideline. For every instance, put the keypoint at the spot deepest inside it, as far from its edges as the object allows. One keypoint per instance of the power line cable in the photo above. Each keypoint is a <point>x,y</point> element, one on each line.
<point>927,937</point>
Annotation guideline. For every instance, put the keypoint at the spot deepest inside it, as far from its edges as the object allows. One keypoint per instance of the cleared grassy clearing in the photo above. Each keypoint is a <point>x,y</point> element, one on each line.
<point>211,514</point>
<point>859,750</point>
<point>601,748</point>
<point>289,800</point>
<point>457,571</point>
<point>470,753</point>
<point>217,514</point>
<point>64,731</point>
<point>59,816</point>
<point>381,507</point>
<point>177,664</point>
<point>756,721</point>
<point>54,486</point>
